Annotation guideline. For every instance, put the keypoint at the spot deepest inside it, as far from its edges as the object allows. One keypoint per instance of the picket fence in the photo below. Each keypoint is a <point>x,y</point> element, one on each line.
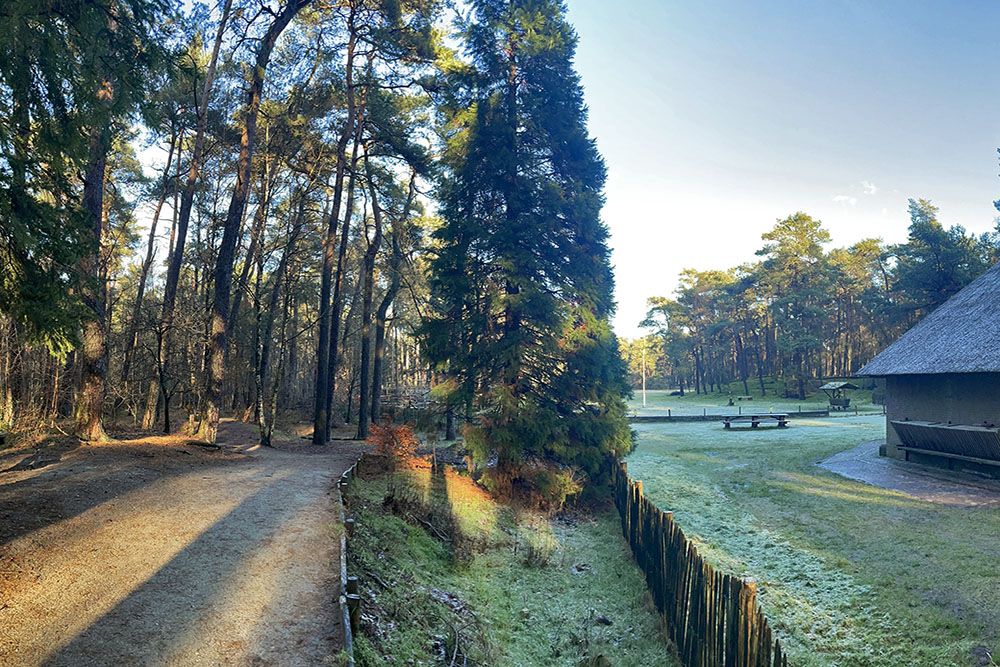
<point>713,618</point>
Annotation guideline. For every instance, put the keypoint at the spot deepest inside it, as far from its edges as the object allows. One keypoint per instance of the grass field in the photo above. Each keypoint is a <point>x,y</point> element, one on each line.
<point>658,401</point>
<point>851,574</point>
<point>516,587</point>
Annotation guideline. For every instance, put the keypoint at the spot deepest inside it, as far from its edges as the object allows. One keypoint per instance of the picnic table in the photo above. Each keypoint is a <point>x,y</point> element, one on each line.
<point>755,420</point>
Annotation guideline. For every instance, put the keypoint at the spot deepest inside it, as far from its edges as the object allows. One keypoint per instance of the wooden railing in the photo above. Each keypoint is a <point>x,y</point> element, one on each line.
<point>713,618</point>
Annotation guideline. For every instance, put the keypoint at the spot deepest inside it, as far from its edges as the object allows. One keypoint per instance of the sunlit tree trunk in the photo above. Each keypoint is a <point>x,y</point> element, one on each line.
<point>223,274</point>
<point>329,317</point>
<point>94,347</point>
<point>179,232</point>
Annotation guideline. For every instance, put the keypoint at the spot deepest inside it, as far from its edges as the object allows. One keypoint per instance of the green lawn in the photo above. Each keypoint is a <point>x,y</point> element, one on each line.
<point>851,574</point>
<point>518,588</point>
<point>659,400</point>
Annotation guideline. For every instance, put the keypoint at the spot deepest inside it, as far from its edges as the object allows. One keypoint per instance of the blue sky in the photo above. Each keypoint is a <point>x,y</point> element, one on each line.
<point>716,118</point>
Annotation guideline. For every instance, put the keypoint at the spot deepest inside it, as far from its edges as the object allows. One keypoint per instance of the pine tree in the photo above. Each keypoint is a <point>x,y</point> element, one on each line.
<point>523,277</point>
<point>74,76</point>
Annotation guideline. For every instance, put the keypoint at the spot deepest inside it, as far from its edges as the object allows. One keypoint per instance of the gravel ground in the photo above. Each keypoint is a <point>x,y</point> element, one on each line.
<point>160,552</point>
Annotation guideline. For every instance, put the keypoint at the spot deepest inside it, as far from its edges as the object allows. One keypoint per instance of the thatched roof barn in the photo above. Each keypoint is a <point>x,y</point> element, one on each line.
<point>943,382</point>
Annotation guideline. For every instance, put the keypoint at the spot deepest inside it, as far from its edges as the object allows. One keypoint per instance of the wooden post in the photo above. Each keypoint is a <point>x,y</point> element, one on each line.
<point>349,526</point>
<point>354,608</point>
<point>352,585</point>
<point>643,377</point>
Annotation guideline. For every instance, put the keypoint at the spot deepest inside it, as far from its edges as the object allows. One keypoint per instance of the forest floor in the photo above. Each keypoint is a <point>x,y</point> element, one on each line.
<point>160,551</point>
<point>850,574</point>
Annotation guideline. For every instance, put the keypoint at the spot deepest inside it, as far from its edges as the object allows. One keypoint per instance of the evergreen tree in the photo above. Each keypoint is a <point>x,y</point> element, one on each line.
<point>795,271</point>
<point>936,262</point>
<point>523,274</point>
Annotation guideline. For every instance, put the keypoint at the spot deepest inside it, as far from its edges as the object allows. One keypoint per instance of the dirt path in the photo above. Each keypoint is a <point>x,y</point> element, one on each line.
<point>161,553</point>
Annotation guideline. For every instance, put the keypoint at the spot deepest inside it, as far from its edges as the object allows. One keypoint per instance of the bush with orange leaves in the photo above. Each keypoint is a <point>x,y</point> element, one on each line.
<point>396,442</point>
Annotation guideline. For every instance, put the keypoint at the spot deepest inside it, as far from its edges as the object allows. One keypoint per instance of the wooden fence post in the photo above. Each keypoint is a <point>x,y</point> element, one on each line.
<point>354,607</point>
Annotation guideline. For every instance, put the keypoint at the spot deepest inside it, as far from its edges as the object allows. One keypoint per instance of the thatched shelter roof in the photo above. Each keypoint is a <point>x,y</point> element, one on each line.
<point>961,336</point>
<point>839,385</point>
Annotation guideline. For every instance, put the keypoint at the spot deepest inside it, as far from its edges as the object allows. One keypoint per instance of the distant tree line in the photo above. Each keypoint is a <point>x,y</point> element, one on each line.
<point>803,312</point>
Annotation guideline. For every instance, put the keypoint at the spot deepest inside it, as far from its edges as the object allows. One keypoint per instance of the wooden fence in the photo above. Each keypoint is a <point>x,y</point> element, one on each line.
<point>713,618</point>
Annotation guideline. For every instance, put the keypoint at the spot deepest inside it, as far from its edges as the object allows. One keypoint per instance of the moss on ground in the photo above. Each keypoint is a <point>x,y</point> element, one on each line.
<point>442,560</point>
<point>850,574</point>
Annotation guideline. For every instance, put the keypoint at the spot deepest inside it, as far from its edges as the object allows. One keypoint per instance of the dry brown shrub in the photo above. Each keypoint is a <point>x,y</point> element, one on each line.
<point>395,442</point>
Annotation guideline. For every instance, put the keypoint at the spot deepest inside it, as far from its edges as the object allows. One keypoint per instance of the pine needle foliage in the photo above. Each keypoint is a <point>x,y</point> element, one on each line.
<point>522,280</point>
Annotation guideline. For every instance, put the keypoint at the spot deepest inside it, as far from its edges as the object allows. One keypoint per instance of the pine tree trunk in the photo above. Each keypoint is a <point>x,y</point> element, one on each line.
<point>179,233</point>
<point>131,337</point>
<point>256,232</point>
<point>329,314</point>
<point>223,274</point>
<point>94,347</point>
<point>364,395</point>
<point>265,412</point>
<point>338,326</point>
<point>395,266</point>
<point>152,405</point>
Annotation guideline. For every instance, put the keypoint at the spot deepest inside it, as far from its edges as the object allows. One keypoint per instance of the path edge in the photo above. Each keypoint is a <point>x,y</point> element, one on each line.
<point>345,620</point>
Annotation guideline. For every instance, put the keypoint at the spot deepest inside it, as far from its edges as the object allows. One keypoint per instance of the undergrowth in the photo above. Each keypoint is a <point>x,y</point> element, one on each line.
<point>450,576</point>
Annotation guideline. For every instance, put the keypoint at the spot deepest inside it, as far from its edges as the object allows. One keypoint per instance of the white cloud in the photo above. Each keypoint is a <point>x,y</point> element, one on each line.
<point>846,199</point>
<point>869,187</point>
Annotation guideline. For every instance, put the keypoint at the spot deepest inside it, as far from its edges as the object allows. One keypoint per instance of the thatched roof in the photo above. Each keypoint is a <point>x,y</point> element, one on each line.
<point>961,336</point>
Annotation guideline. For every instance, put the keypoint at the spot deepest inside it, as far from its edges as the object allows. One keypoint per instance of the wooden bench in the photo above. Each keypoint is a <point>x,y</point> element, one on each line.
<point>756,420</point>
<point>946,455</point>
<point>965,442</point>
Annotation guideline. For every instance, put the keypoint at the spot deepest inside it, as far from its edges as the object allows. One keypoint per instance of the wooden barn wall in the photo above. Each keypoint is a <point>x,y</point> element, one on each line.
<point>972,398</point>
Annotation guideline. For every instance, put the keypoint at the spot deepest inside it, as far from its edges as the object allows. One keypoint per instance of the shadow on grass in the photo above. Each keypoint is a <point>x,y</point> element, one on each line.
<point>842,489</point>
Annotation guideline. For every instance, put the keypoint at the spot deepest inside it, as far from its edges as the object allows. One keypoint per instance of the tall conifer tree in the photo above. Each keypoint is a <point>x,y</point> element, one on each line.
<point>523,277</point>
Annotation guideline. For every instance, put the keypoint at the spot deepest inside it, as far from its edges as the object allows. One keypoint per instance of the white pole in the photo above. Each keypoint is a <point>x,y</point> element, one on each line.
<point>644,377</point>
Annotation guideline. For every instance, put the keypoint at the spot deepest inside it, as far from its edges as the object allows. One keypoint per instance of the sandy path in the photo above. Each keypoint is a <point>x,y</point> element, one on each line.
<point>227,559</point>
<point>934,485</point>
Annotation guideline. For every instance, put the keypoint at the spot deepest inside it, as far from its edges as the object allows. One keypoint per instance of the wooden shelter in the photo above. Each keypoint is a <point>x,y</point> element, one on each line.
<point>942,381</point>
<point>839,400</point>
